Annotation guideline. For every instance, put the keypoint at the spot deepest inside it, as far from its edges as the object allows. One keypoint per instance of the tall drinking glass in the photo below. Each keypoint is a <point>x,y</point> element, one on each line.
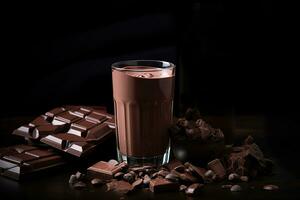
<point>143,92</point>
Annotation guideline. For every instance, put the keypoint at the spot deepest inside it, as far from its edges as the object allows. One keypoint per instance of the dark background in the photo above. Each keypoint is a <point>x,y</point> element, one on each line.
<point>232,58</point>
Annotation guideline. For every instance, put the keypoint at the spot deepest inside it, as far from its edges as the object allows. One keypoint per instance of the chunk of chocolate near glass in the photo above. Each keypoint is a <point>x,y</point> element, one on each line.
<point>105,170</point>
<point>76,130</point>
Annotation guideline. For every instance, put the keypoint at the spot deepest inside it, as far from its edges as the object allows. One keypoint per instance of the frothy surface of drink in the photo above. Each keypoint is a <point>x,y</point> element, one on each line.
<point>148,72</point>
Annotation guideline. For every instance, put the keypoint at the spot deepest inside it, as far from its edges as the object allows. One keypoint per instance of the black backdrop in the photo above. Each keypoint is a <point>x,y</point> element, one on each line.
<point>231,57</point>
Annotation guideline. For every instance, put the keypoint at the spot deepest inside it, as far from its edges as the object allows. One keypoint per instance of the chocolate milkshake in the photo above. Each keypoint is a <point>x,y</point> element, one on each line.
<point>143,102</point>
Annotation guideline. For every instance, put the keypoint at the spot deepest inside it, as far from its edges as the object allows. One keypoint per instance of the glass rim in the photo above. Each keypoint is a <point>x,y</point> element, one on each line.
<point>151,63</point>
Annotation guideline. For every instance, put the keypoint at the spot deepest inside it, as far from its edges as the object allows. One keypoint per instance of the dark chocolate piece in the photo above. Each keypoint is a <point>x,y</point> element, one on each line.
<point>163,185</point>
<point>21,160</point>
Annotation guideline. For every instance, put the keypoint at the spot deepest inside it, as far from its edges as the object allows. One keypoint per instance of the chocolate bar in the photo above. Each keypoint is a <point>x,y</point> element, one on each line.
<point>73,129</point>
<point>21,160</point>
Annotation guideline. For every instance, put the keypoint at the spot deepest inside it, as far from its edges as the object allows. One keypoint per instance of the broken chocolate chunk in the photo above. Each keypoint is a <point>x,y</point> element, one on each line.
<point>162,185</point>
<point>121,187</point>
<point>217,167</point>
<point>105,170</point>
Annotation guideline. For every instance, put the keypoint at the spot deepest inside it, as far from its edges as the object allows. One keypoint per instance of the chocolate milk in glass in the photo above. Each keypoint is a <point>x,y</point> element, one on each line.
<point>143,101</point>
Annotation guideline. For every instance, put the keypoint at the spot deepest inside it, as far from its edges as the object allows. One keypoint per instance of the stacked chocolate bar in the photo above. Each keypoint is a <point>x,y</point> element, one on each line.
<point>76,130</point>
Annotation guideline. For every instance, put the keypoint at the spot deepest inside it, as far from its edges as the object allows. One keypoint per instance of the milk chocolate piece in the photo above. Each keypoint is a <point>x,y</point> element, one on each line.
<point>199,171</point>
<point>163,185</point>
<point>96,117</point>
<point>119,175</point>
<point>176,165</point>
<point>172,177</point>
<point>217,167</point>
<point>185,177</point>
<point>40,121</point>
<point>76,130</point>
<point>55,111</point>
<point>121,187</point>
<point>19,161</point>
<point>137,183</point>
<point>128,177</point>
<point>80,111</point>
<point>83,124</point>
<point>46,129</point>
<point>105,170</point>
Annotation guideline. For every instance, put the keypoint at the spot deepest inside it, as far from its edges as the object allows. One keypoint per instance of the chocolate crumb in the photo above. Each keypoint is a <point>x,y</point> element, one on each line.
<point>97,181</point>
<point>147,179</point>
<point>182,188</point>
<point>236,188</point>
<point>244,178</point>
<point>271,187</point>
<point>79,175</point>
<point>233,177</point>
<point>113,162</point>
<point>194,189</point>
<point>228,186</point>
<point>72,179</point>
<point>79,185</point>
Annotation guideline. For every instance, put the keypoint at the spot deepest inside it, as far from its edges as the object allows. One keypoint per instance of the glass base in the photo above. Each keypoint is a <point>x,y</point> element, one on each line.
<point>154,160</point>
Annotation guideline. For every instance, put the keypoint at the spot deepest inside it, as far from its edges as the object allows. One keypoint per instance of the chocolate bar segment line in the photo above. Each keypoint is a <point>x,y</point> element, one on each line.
<point>21,160</point>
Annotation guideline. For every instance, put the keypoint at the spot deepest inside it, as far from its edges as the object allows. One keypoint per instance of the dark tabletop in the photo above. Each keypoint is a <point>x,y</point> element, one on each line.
<point>53,184</point>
